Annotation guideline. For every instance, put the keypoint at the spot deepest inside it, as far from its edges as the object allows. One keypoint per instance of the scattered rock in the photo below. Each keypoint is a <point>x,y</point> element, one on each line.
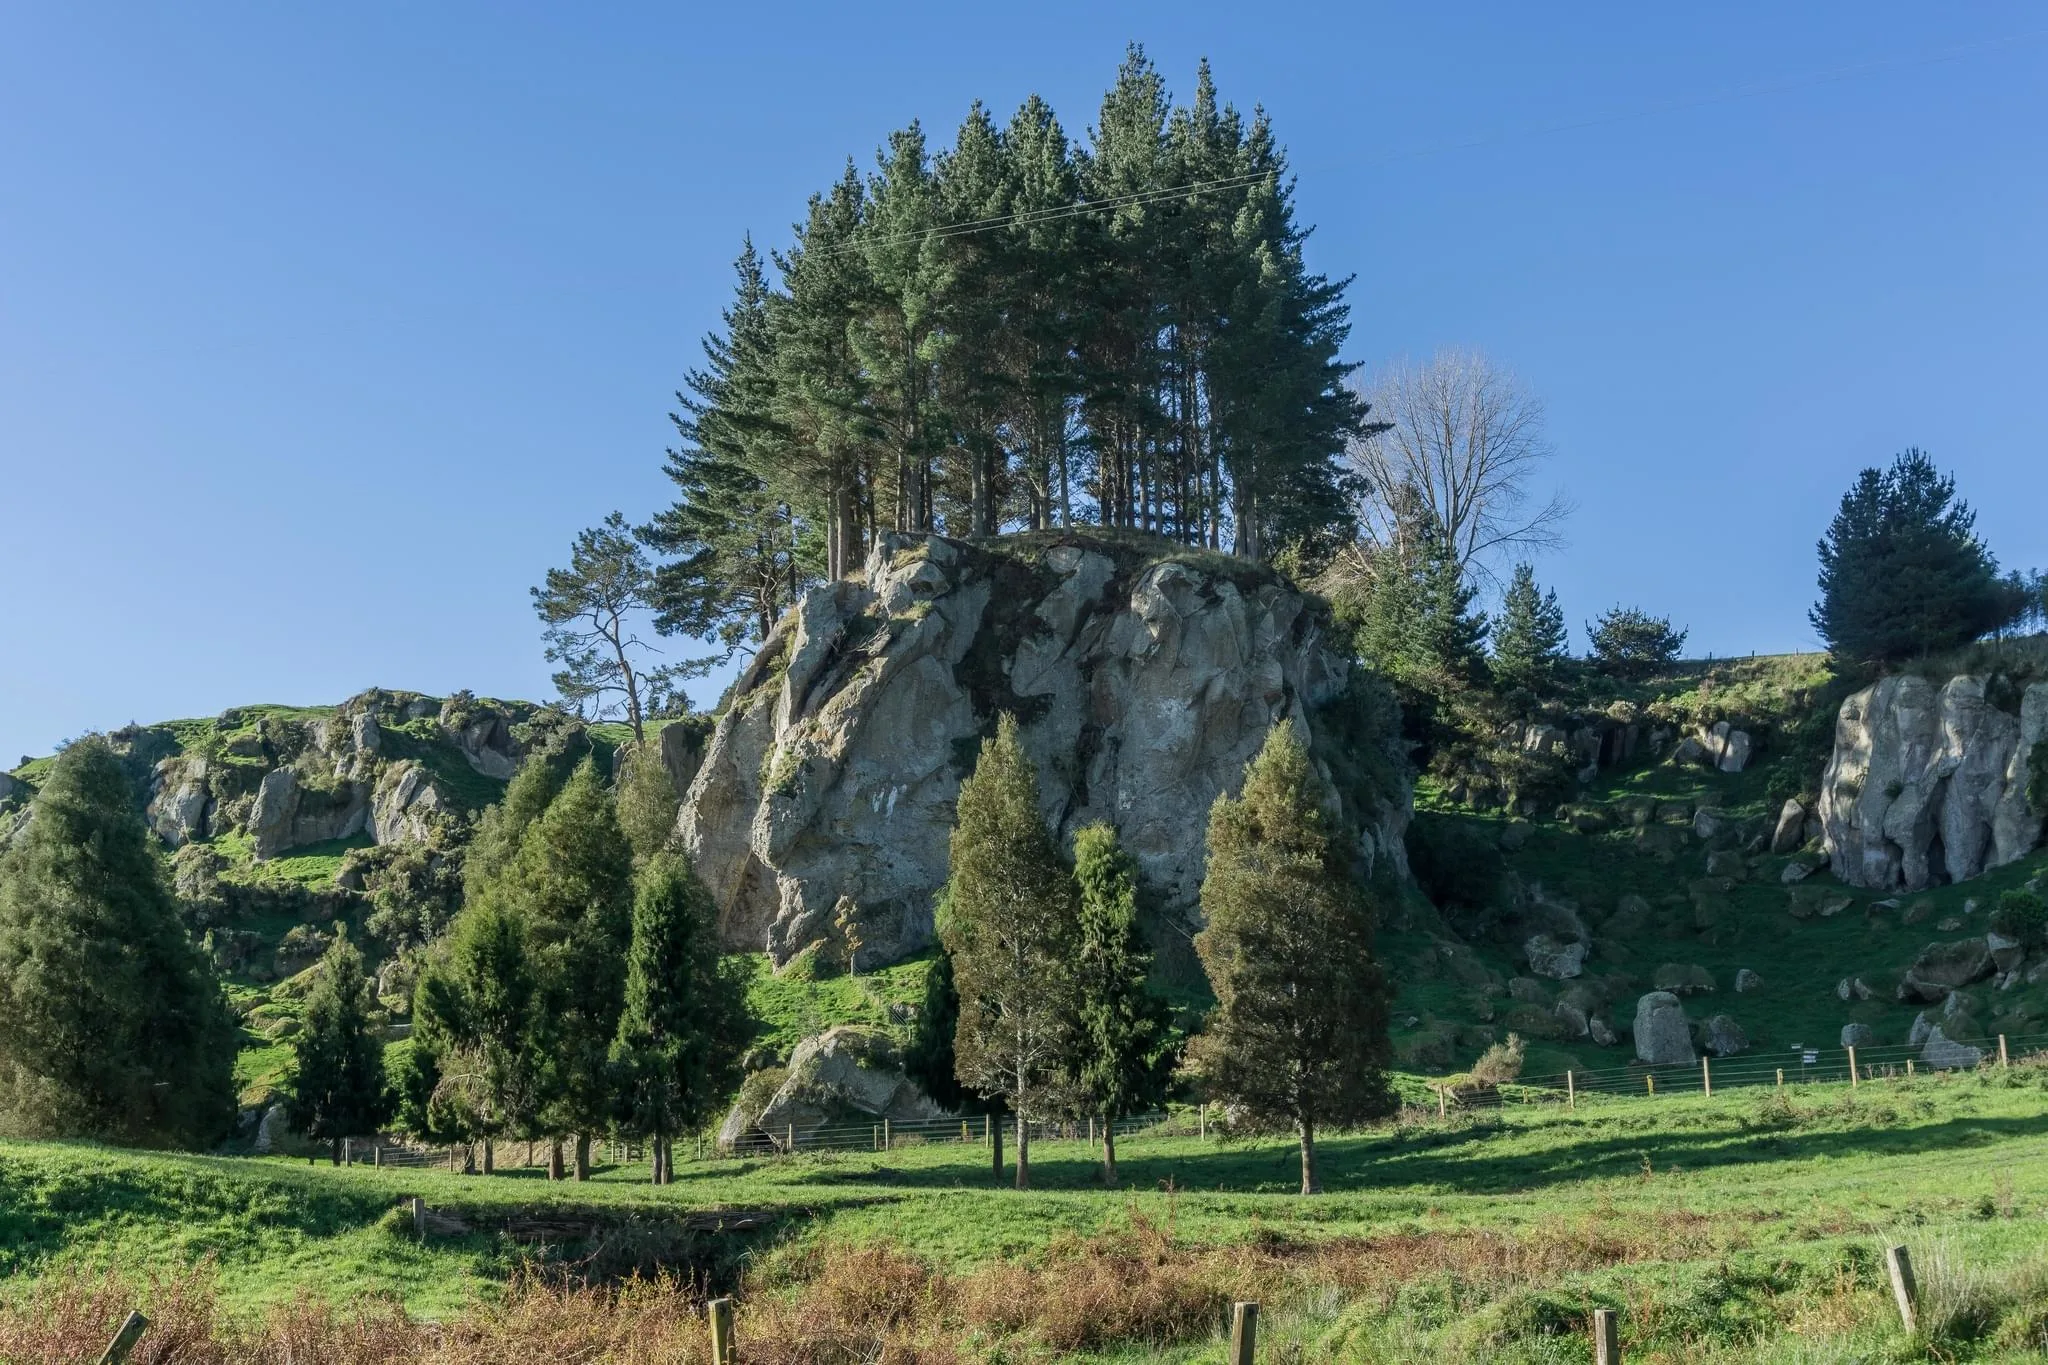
<point>1919,912</point>
<point>1722,1036</point>
<point>1662,1035</point>
<point>1573,1019</point>
<point>1600,1031</point>
<point>1943,967</point>
<point>846,1072</point>
<point>1923,1025</point>
<point>1858,1035</point>
<point>1675,813</point>
<point>1689,750</point>
<point>1710,823</point>
<point>1747,981</point>
<point>1942,1053</point>
<point>1799,869</point>
<point>1560,961</point>
<point>1631,918</point>
<point>1949,925</point>
<point>1835,905</point>
<point>1727,863</point>
<point>2006,953</point>
<point>1790,831</point>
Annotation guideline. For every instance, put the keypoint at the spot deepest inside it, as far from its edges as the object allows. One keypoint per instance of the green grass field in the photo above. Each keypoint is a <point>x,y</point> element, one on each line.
<point>1748,1226</point>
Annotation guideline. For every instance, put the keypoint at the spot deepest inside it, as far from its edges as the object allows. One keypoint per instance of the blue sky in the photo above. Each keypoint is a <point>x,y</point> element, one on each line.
<point>324,328</point>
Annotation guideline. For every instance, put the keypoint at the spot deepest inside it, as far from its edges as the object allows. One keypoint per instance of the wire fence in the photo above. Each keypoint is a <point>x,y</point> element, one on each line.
<point>1795,1066</point>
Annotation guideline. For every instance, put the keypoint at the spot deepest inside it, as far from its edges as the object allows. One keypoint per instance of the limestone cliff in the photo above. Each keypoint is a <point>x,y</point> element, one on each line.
<point>1144,678</point>
<point>1930,783</point>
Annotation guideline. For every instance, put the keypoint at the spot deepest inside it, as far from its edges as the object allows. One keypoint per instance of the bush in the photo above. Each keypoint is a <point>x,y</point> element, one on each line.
<point>1629,643</point>
<point>2022,916</point>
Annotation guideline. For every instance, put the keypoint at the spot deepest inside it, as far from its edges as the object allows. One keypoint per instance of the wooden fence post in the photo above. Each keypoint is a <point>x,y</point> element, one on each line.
<point>2004,1062</point>
<point>1707,1076</point>
<point>1909,1068</point>
<point>377,1154</point>
<point>1898,1263</point>
<point>720,1313</point>
<point>1852,1068</point>
<point>1443,1106</point>
<point>124,1340</point>
<point>419,1218</point>
<point>888,1139</point>
<point>1781,1078</point>
<point>1244,1332</point>
<point>1202,1120</point>
<point>1650,1084</point>
<point>348,1156</point>
<point>1606,1337</point>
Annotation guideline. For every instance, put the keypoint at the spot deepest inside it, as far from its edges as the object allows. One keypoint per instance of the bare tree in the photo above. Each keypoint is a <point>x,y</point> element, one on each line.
<point>1462,439</point>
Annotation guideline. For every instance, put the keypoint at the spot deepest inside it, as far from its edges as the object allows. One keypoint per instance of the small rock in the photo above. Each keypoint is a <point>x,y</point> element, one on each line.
<point>1727,863</point>
<point>1709,823</point>
<point>1573,1018</point>
<point>1551,957</point>
<point>1919,912</point>
<point>1683,978</point>
<point>1944,967</point>
<point>1858,989</point>
<point>1970,906</point>
<point>2005,952</point>
<point>1798,870</point>
<point>1923,1025</point>
<point>1788,835</point>
<point>1954,1005</point>
<point>1858,1035</point>
<point>1949,924</point>
<point>1601,1031</point>
<point>1943,1053</point>
<point>1747,981</point>
<point>1722,1036</point>
<point>1842,989</point>
<point>1835,905</point>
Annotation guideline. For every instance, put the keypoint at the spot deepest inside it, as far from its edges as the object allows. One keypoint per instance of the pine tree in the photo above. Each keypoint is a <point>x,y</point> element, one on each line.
<point>1630,643</point>
<point>1418,624</point>
<point>1529,639</point>
<point>111,1023</point>
<point>684,1024</point>
<point>1901,570</point>
<point>1121,1051</point>
<point>571,888</point>
<point>475,1015</point>
<point>1299,1032</point>
<point>496,845</point>
<point>1013,932</point>
<point>338,1085</point>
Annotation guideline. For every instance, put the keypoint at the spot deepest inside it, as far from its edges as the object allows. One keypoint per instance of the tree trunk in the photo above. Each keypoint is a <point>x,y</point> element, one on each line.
<point>995,1145</point>
<point>469,1158</point>
<point>490,1157</point>
<point>1023,1151</point>
<point>1311,1183</point>
<point>335,1157</point>
<point>554,1158</point>
<point>1109,1151</point>
<point>583,1156</point>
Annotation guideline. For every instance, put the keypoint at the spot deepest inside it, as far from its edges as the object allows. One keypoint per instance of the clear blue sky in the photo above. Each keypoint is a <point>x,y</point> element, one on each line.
<point>324,328</point>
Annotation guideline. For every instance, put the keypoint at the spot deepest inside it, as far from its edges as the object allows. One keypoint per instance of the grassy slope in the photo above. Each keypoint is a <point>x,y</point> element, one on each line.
<point>1733,1207</point>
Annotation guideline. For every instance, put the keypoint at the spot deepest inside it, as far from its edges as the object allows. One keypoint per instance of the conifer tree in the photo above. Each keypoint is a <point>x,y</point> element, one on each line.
<point>571,888</point>
<point>1298,1036</point>
<point>475,1017</point>
<point>685,1021</point>
<point>496,845</point>
<point>1419,624</point>
<point>1012,930</point>
<point>1630,643</point>
<point>646,800</point>
<point>111,1023</point>
<point>338,1084</point>
<point>1901,569</point>
<point>1529,638</point>
<point>1120,1051</point>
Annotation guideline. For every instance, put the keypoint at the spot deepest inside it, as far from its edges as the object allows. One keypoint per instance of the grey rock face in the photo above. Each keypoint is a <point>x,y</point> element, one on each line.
<point>1663,1038</point>
<point>1923,1028</point>
<point>1928,783</point>
<point>1557,960</point>
<point>1945,967</point>
<point>180,801</point>
<point>405,804</point>
<point>1142,689</point>
<point>270,819</point>
<point>1942,1053</point>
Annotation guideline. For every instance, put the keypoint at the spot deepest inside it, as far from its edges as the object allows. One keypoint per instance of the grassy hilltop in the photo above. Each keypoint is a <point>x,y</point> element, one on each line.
<point>1743,1227</point>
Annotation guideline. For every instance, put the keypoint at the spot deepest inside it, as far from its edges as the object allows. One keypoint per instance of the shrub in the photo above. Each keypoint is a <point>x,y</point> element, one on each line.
<point>2022,916</point>
<point>1500,1063</point>
<point>1629,643</point>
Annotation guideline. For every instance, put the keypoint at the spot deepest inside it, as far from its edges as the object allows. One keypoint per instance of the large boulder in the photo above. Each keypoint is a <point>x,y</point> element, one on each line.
<point>1790,831</point>
<point>1663,1037</point>
<point>845,1075</point>
<point>270,818</point>
<point>1722,1036</point>
<point>1142,686</point>
<point>180,801</point>
<point>1556,959</point>
<point>1929,784</point>
<point>1945,967</point>
<point>1942,1053</point>
<point>1858,1035</point>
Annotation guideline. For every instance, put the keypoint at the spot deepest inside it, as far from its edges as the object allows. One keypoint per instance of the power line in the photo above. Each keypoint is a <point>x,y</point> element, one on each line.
<point>1167,194</point>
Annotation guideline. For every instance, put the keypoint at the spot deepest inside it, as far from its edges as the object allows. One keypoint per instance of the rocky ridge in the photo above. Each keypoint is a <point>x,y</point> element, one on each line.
<point>1931,784</point>
<point>1143,677</point>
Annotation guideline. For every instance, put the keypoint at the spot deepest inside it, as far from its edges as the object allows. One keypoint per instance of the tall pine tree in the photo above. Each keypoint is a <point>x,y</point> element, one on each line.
<point>1529,637</point>
<point>1299,1033</point>
<point>1121,1040</point>
<point>111,1023</point>
<point>1012,929</point>
<point>337,1086</point>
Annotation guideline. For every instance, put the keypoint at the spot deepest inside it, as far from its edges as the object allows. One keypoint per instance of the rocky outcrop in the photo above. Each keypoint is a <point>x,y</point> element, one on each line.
<point>1929,784</point>
<point>1945,967</point>
<point>845,1075</point>
<point>1663,1038</point>
<point>1142,686</point>
<point>180,801</point>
